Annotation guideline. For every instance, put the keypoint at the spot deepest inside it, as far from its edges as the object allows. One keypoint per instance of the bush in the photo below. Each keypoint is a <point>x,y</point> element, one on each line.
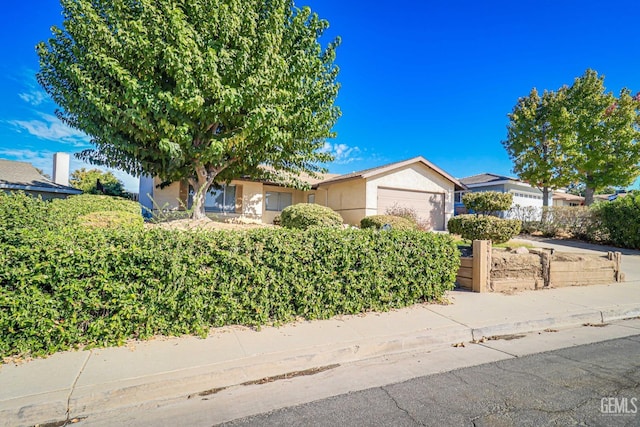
<point>620,220</point>
<point>403,212</point>
<point>305,215</point>
<point>487,202</point>
<point>396,222</point>
<point>112,219</point>
<point>19,210</point>
<point>100,287</point>
<point>484,227</point>
<point>68,211</point>
<point>558,221</point>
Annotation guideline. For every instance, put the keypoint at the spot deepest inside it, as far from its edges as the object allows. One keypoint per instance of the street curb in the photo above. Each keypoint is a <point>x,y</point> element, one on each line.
<point>182,384</point>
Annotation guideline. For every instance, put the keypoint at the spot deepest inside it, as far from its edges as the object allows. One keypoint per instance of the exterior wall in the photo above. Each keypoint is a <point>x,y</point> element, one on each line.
<point>297,196</point>
<point>167,198</point>
<point>348,198</point>
<point>252,199</point>
<point>414,177</point>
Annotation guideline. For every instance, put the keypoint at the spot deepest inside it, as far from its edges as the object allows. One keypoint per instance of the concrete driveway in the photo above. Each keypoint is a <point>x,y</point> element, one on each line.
<point>630,257</point>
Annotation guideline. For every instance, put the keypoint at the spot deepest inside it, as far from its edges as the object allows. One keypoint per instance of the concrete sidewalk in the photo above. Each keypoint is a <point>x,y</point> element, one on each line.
<point>76,384</point>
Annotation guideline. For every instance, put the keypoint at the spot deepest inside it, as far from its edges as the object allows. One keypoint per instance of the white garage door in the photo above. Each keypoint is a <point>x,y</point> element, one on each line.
<point>429,207</point>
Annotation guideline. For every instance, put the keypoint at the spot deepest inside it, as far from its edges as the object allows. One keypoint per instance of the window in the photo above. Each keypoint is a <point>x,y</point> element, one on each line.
<point>277,200</point>
<point>221,199</point>
<point>311,198</point>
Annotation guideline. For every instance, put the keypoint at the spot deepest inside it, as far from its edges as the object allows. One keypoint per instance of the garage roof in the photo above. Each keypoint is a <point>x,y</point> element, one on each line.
<point>368,173</point>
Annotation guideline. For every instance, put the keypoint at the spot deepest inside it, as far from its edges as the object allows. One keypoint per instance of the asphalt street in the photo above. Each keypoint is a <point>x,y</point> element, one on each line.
<point>595,385</point>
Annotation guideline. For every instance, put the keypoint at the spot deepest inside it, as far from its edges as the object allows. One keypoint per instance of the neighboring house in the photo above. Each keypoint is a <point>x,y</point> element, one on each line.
<point>415,183</point>
<point>22,176</point>
<point>560,198</point>
<point>524,195</point>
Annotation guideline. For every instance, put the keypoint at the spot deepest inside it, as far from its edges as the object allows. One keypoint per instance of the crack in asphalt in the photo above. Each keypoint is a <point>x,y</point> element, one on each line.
<point>393,399</point>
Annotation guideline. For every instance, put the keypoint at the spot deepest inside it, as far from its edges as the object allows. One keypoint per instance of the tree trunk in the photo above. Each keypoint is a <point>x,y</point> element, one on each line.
<point>199,195</point>
<point>545,204</point>
<point>200,188</point>
<point>588,195</point>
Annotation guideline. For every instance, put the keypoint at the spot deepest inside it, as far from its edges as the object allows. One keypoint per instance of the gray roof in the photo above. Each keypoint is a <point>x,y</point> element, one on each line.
<point>486,178</point>
<point>23,176</point>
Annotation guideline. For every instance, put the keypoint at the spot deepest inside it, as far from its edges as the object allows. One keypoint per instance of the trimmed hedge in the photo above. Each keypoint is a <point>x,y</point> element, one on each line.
<point>100,287</point>
<point>112,219</point>
<point>396,222</point>
<point>487,202</point>
<point>484,227</point>
<point>619,220</point>
<point>68,211</point>
<point>304,215</point>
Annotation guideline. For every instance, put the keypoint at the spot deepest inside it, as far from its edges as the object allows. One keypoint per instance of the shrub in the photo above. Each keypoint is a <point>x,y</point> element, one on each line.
<point>487,202</point>
<point>484,227</point>
<point>277,220</point>
<point>19,210</point>
<point>100,287</point>
<point>68,211</point>
<point>396,222</point>
<point>558,221</point>
<point>403,212</point>
<point>620,220</point>
<point>111,219</point>
<point>305,215</point>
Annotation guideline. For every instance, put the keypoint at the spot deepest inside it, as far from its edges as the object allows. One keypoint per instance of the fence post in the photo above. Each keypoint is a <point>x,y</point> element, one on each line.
<point>481,265</point>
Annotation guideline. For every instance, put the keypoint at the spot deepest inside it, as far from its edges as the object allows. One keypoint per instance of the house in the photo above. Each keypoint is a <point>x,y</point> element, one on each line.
<point>22,176</point>
<point>524,195</point>
<point>414,183</point>
<point>561,198</point>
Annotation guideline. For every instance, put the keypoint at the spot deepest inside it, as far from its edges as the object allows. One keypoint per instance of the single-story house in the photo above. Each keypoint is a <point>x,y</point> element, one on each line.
<point>561,198</point>
<point>22,176</point>
<point>524,195</point>
<point>414,183</point>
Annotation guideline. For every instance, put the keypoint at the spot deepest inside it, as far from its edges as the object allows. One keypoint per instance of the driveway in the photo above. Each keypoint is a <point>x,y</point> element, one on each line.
<point>630,257</point>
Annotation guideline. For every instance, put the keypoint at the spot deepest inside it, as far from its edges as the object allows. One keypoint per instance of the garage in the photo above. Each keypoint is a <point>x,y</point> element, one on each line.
<point>428,206</point>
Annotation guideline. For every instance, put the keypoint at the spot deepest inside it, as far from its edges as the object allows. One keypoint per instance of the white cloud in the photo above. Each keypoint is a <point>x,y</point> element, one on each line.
<point>49,127</point>
<point>34,97</point>
<point>342,153</point>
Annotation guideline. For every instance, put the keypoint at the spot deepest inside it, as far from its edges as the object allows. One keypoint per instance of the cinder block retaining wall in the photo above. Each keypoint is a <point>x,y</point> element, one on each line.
<point>502,270</point>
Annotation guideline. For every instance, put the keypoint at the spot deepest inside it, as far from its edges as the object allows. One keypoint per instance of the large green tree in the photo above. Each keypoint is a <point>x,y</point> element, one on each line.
<point>537,141</point>
<point>202,90</point>
<point>95,181</point>
<point>606,130</point>
<point>576,135</point>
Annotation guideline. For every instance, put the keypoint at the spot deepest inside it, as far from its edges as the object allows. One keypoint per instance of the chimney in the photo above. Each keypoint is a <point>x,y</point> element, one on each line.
<point>61,168</point>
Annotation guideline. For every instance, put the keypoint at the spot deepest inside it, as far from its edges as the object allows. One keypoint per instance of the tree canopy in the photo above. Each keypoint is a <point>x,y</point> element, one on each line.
<point>576,135</point>
<point>95,181</point>
<point>537,141</point>
<point>202,90</point>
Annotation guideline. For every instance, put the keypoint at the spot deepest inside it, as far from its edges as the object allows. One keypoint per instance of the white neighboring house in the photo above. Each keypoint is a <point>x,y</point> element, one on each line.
<point>524,195</point>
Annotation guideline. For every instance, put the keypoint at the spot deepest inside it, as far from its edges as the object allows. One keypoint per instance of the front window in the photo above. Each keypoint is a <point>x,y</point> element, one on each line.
<point>221,199</point>
<point>277,200</point>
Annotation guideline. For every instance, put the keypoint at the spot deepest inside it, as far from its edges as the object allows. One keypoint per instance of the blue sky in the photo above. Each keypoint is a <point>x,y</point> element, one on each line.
<point>427,78</point>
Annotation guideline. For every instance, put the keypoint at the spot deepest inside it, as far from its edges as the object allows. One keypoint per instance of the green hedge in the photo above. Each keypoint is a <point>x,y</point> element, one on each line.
<point>304,215</point>
<point>396,222</point>
<point>487,202</point>
<point>101,287</point>
<point>484,227</point>
<point>112,219</point>
<point>619,220</point>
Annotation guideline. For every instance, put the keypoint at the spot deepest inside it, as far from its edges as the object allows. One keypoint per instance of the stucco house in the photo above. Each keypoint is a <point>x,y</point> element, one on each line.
<point>524,195</point>
<point>414,183</point>
<point>22,176</point>
<point>563,199</point>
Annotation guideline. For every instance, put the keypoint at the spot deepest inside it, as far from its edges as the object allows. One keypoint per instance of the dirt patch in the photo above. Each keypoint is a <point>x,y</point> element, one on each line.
<point>508,265</point>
